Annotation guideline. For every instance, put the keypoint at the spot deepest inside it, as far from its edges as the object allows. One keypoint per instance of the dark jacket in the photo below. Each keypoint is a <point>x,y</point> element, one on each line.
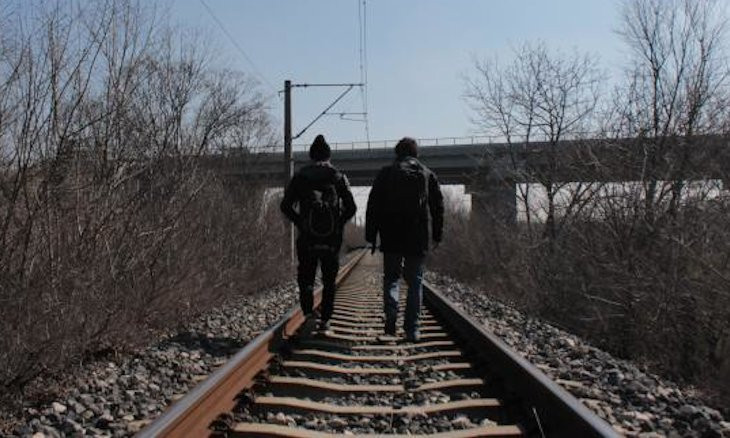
<point>315,175</point>
<point>395,236</point>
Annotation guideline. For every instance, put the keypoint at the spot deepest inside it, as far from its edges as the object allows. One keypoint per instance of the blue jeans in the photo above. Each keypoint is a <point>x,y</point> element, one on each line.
<point>412,269</point>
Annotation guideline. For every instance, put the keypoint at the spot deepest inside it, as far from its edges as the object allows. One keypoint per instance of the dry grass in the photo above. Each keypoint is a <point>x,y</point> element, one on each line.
<point>162,260</point>
<point>659,295</point>
<point>110,229</point>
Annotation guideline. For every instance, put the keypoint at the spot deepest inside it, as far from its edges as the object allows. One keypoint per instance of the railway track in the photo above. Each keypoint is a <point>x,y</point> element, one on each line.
<point>458,381</point>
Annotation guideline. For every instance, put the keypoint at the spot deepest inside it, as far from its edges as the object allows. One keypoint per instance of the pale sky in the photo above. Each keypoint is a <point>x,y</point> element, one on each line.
<point>418,52</point>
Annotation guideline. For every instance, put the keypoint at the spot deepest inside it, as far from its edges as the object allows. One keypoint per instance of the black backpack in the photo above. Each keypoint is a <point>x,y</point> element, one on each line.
<point>321,210</point>
<point>408,192</point>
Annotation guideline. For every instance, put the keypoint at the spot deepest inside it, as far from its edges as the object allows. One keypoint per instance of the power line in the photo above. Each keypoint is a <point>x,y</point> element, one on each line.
<point>239,48</point>
<point>362,22</point>
<point>326,110</point>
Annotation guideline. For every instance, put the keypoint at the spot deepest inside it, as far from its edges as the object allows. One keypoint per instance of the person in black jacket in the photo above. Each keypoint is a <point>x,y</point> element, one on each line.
<point>324,205</point>
<point>402,197</point>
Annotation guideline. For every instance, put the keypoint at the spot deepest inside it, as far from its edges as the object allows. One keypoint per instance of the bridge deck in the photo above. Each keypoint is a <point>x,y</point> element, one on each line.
<point>587,160</point>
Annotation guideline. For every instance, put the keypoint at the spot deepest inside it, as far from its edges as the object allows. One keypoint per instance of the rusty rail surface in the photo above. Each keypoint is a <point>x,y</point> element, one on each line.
<point>526,401</point>
<point>191,415</point>
<point>557,411</point>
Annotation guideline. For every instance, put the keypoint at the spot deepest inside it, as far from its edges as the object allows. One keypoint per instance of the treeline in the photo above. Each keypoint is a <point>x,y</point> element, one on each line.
<point>640,267</point>
<point>109,227</point>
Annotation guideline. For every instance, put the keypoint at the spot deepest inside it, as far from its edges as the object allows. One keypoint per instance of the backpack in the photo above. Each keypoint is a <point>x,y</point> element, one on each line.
<point>408,192</point>
<point>321,208</point>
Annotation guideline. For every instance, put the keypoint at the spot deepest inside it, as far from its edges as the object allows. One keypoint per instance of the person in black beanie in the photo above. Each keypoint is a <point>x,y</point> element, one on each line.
<point>324,204</point>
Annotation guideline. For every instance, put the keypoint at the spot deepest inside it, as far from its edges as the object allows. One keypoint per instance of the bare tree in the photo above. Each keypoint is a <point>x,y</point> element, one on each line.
<point>109,226</point>
<point>642,265</point>
<point>544,96</point>
<point>678,83</point>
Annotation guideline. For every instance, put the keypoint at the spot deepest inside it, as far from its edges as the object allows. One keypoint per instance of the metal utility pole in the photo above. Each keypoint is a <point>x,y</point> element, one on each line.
<point>288,157</point>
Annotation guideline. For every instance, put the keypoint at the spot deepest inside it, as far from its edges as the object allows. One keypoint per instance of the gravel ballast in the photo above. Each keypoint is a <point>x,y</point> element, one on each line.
<point>118,398</point>
<point>635,402</point>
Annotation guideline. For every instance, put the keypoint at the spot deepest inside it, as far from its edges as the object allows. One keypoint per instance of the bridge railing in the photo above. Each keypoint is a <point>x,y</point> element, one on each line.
<point>443,141</point>
<point>389,144</point>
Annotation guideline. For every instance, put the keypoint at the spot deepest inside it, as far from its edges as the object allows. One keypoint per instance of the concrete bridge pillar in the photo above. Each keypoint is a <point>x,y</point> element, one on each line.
<point>494,202</point>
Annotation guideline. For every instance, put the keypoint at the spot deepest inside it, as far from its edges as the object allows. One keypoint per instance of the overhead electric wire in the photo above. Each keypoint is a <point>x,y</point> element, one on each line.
<point>362,21</point>
<point>238,47</point>
<point>323,113</point>
<point>362,24</point>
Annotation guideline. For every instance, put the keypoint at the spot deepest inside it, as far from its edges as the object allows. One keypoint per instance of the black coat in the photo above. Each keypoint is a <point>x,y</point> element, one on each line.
<point>314,175</point>
<point>395,236</point>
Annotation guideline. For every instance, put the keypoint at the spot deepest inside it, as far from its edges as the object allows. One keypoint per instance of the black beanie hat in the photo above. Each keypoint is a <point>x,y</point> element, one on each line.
<point>320,150</point>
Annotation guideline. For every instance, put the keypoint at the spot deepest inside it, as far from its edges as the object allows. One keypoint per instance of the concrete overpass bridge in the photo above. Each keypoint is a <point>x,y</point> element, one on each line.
<point>490,171</point>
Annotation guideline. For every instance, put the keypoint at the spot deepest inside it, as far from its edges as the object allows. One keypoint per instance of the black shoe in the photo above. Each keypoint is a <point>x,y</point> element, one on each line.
<point>413,337</point>
<point>388,334</point>
<point>324,326</point>
<point>313,314</point>
<point>310,322</point>
<point>389,330</point>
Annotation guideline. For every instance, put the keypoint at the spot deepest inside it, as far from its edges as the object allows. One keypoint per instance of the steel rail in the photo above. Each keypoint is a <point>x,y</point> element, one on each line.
<point>192,415</point>
<point>558,412</point>
<point>546,409</point>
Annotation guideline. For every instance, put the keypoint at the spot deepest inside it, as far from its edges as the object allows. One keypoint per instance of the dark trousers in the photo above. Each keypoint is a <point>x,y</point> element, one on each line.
<point>329,261</point>
<point>411,267</point>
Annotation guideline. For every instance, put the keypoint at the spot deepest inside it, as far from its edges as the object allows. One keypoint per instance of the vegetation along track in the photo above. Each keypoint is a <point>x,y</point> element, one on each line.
<point>458,381</point>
